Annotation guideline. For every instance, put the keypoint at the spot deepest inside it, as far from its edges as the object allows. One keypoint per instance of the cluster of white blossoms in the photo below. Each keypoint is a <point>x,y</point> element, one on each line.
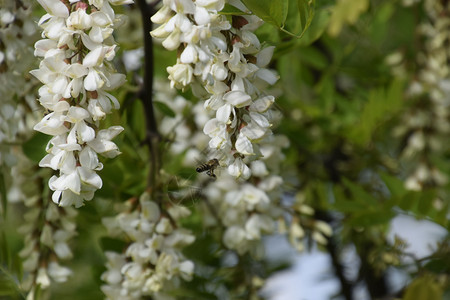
<point>47,231</point>
<point>153,261</point>
<point>225,64</point>
<point>427,123</point>
<point>18,32</point>
<point>76,70</point>
<point>246,210</point>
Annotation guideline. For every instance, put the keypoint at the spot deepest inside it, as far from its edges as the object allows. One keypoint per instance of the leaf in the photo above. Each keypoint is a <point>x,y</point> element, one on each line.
<point>379,106</point>
<point>394,184</point>
<point>423,288</point>
<point>111,244</point>
<point>3,195</point>
<point>164,108</point>
<point>34,148</point>
<point>371,218</point>
<point>306,13</point>
<point>231,10</point>
<point>346,11</point>
<point>272,12</point>
<point>360,194</point>
<point>316,28</point>
<point>6,287</point>
<point>426,202</point>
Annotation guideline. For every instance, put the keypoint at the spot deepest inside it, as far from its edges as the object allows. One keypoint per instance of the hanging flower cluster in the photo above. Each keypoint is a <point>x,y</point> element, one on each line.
<point>46,244</point>
<point>427,123</point>
<point>246,210</point>
<point>224,63</point>
<point>152,260</point>
<point>18,32</point>
<point>77,74</point>
<point>47,229</point>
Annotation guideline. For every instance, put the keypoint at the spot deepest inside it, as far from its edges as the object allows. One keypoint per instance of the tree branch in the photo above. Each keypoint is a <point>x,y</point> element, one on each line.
<point>152,136</point>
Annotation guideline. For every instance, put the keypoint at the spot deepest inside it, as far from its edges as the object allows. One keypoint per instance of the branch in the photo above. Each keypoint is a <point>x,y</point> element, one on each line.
<point>334,252</point>
<point>146,94</point>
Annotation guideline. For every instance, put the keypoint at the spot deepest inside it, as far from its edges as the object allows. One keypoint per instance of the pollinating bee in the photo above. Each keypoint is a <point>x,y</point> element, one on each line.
<point>209,167</point>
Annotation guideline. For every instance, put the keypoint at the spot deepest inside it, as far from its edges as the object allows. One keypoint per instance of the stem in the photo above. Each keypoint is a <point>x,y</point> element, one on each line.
<point>334,252</point>
<point>146,94</point>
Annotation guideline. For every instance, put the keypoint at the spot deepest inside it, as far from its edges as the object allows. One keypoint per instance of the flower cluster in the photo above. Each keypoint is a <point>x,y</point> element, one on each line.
<point>224,63</point>
<point>77,74</point>
<point>47,231</point>
<point>427,123</point>
<point>152,261</point>
<point>46,244</point>
<point>301,219</point>
<point>18,32</point>
<point>246,210</point>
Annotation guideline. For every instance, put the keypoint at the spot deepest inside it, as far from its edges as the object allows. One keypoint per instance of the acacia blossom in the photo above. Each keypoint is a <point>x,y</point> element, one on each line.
<point>76,70</point>
<point>18,32</point>
<point>225,64</point>
<point>153,261</point>
<point>426,125</point>
<point>247,210</point>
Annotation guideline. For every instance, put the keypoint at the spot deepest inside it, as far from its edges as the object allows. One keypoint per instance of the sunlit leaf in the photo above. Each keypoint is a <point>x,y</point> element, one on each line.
<point>423,288</point>
<point>346,12</point>
<point>272,12</point>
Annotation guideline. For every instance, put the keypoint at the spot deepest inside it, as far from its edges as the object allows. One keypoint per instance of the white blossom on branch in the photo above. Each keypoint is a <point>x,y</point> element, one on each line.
<point>77,74</point>
<point>153,262</point>
<point>224,63</point>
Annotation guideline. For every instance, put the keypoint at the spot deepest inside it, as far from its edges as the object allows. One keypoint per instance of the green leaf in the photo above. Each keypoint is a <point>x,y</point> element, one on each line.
<point>34,148</point>
<point>380,105</point>
<point>6,287</point>
<point>306,13</point>
<point>423,288</point>
<point>360,194</point>
<point>394,184</point>
<point>426,202</point>
<point>371,218</point>
<point>346,11</point>
<point>3,195</point>
<point>232,10</point>
<point>316,28</point>
<point>111,244</point>
<point>5,254</point>
<point>164,108</point>
<point>418,202</point>
<point>272,12</point>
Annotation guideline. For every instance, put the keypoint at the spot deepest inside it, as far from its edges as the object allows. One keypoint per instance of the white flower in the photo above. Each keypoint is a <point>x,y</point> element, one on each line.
<point>239,169</point>
<point>230,64</point>
<point>234,238</point>
<point>58,273</point>
<point>42,278</point>
<point>55,8</point>
<point>153,258</point>
<point>76,74</point>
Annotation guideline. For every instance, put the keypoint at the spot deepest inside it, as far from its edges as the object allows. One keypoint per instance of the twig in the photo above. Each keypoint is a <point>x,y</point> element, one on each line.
<point>146,94</point>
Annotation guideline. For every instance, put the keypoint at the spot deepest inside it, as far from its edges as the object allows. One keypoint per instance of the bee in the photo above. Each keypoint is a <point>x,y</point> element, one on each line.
<point>210,166</point>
